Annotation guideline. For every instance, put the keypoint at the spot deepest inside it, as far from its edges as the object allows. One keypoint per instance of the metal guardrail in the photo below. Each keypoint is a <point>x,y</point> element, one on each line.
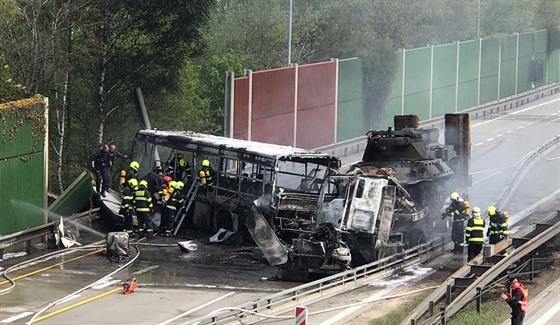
<point>542,232</point>
<point>357,145</point>
<point>25,237</point>
<point>324,288</point>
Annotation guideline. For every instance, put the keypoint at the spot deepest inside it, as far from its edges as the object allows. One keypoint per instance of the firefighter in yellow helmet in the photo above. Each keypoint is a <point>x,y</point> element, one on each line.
<point>498,228</point>
<point>126,205</point>
<point>458,212</point>
<point>206,173</point>
<point>474,234</point>
<point>142,202</point>
<point>174,204</point>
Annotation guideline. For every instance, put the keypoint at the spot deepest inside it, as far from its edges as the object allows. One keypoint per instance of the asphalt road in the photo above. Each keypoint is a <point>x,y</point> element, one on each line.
<point>174,286</point>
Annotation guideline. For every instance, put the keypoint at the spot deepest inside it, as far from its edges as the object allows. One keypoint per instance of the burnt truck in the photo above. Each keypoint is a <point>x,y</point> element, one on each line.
<point>307,215</point>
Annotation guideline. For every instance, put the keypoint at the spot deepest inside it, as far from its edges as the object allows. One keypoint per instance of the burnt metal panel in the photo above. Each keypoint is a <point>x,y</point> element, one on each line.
<point>241,108</point>
<point>76,197</point>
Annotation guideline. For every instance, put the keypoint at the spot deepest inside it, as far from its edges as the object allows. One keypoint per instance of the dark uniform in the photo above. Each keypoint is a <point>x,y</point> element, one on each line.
<point>127,205</point>
<point>179,168</point>
<point>206,173</point>
<point>498,228</point>
<point>101,167</point>
<point>175,202</point>
<point>474,235</point>
<point>517,299</point>
<point>143,206</point>
<point>457,210</point>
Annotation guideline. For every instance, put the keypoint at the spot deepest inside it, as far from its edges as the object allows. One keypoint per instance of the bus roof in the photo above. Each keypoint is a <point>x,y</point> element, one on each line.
<point>249,151</point>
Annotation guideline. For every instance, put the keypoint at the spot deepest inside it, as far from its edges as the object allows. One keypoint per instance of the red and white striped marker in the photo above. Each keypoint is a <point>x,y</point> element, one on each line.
<point>301,315</point>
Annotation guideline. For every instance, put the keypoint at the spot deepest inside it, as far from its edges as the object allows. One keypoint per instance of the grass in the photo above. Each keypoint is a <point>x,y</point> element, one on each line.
<point>396,316</point>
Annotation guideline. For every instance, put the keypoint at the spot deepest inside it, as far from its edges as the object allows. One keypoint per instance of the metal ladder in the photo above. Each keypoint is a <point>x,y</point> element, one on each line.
<point>191,194</point>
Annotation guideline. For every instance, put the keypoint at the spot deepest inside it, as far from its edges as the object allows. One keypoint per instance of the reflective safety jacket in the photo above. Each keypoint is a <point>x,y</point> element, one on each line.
<point>457,210</point>
<point>206,175</point>
<point>518,297</point>
<point>498,225</point>
<point>474,233</point>
<point>175,201</point>
<point>142,201</point>
<point>127,199</point>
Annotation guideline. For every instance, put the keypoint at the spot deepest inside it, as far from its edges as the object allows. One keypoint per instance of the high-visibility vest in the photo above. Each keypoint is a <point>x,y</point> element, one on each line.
<point>143,201</point>
<point>475,230</point>
<point>523,302</point>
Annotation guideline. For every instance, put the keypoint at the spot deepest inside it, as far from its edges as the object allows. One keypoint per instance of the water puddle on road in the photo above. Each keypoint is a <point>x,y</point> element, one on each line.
<point>403,278</point>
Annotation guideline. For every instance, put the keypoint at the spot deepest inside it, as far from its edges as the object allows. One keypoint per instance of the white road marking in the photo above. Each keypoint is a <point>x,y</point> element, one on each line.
<point>16,317</point>
<point>517,112</point>
<point>490,139</point>
<point>485,178</point>
<point>105,284</point>
<point>480,143</point>
<point>500,135</point>
<point>520,127</point>
<point>69,298</point>
<point>553,121</point>
<point>149,268</point>
<point>195,309</point>
<point>509,131</point>
<point>548,315</point>
<point>348,311</point>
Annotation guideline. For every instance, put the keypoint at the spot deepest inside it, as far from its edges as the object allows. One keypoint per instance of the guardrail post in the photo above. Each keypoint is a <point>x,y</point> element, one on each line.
<point>443,316</point>
<point>431,308</point>
<point>448,295</point>
<point>532,275</point>
<point>478,299</point>
<point>413,321</point>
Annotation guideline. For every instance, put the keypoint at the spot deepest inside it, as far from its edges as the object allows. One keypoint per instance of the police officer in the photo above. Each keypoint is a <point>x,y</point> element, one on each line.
<point>127,204</point>
<point>474,234</point>
<point>101,167</point>
<point>498,226</point>
<point>457,210</point>
<point>143,206</point>
<point>517,299</point>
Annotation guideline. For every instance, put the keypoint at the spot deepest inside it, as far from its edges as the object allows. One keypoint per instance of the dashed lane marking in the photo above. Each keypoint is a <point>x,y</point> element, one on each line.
<point>16,317</point>
<point>149,268</point>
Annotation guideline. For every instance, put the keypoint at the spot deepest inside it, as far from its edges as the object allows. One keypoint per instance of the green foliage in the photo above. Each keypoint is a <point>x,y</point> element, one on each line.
<point>9,90</point>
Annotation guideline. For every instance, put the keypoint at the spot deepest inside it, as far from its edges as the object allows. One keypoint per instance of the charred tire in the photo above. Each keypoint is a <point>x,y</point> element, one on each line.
<point>415,237</point>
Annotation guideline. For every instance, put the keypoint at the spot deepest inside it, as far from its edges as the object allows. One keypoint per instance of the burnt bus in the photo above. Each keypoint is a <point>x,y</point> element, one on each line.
<point>259,190</point>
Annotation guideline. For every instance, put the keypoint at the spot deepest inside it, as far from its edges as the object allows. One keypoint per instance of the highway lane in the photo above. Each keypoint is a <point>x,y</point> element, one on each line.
<point>168,289</point>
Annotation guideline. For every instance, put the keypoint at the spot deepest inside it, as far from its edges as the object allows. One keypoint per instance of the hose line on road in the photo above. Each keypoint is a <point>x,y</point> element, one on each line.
<point>39,258</point>
<point>54,303</point>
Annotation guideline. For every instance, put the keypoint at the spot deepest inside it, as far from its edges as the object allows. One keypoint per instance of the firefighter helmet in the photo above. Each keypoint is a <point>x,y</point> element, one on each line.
<point>476,211</point>
<point>132,182</point>
<point>454,196</point>
<point>167,179</point>
<point>491,210</point>
<point>134,166</point>
<point>143,184</point>
<point>173,184</point>
<point>180,185</point>
<point>205,163</point>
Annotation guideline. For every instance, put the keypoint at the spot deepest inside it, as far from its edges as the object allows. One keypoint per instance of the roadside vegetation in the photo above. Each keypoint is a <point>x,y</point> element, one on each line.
<point>87,55</point>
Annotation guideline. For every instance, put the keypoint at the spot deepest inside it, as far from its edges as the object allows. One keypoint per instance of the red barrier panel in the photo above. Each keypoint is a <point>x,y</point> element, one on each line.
<point>316,105</point>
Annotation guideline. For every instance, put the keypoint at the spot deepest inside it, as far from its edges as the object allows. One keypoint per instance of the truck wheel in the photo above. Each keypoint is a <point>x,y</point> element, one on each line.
<point>415,237</point>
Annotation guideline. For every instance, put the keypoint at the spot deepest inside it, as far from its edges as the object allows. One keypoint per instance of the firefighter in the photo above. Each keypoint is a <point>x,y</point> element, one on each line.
<point>132,171</point>
<point>126,205</point>
<point>457,210</point>
<point>100,166</point>
<point>142,202</point>
<point>497,229</point>
<point>474,234</point>
<point>176,201</point>
<point>517,299</point>
<point>206,173</point>
<point>163,193</point>
<point>181,165</point>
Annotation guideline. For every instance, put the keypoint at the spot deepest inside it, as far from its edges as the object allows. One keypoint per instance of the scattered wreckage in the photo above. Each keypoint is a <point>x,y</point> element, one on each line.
<point>307,216</point>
